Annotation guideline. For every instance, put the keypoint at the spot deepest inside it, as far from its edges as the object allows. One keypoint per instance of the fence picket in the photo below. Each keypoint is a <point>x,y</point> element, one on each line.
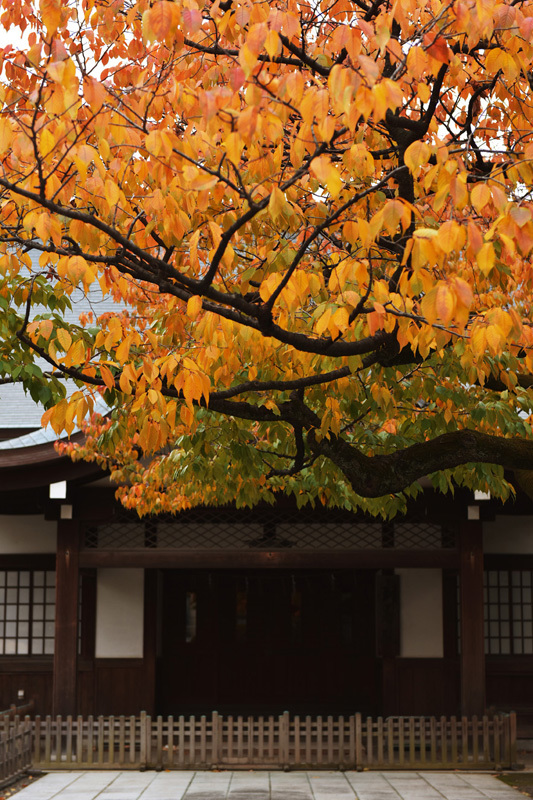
<point>68,748</point>
<point>358,740</point>
<point>398,742</point>
<point>330,740</point>
<point>48,740</point>
<point>401,744</point>
<point>16,748</point>
<point>506,741</point>
<point>512,738</point>
<point>121,740</point>
<point>496,730</point>
<point>380,742</point>
<point>215,739</point>
<point>341,744</point>
<point>79,739</point>
<point>475,740</point>
<point>422,724</point>
<point>111,739</point>
<point>464,734</point>
<point>297,741</point>
<point>37,740</point>
<point>239,737</point>
<point>90,740</point>
<point>433,738</point>
<point>390,742</point>
<point>443,740</point>
<point>453,737</point>
<point>412,740</point>
<point>58,739</point>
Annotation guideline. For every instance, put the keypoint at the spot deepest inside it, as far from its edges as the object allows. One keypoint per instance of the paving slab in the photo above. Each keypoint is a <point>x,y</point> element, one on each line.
<point>266,785</point>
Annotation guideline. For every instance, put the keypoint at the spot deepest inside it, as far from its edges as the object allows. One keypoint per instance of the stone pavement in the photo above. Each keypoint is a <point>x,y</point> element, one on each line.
<point>259,785</point>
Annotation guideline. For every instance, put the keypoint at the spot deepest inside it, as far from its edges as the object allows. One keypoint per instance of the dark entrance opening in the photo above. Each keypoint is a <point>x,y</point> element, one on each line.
<point>261,642</point>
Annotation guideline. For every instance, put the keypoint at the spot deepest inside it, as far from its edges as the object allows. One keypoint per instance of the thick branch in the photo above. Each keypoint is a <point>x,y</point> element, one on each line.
<point>375,476</point>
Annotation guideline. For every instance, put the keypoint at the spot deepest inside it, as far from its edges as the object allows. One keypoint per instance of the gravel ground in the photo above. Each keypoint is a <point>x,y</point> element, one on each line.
<point>523,781</point>
<point>16,786</point>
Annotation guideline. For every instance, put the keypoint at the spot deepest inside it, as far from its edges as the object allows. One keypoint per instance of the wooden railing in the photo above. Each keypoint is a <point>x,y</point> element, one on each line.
<point>283,741</point>
<point>16,747</point>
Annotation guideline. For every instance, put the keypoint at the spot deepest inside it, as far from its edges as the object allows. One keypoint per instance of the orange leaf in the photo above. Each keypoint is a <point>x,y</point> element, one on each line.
<point>160,21</point>
<point>480,196</point>
<point>437,48</point>
<point>194,306</point>
<point>107,376</point>
<point>445,302</point>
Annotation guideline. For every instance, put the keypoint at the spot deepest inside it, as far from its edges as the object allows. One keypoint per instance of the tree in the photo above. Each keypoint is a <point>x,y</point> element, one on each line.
<point>316,220</point>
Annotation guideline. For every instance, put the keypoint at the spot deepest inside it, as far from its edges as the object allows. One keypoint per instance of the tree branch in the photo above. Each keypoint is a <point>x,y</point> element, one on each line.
<point>375,476</point>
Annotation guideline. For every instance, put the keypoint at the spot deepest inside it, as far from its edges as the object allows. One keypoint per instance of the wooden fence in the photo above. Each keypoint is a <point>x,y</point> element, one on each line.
<point>276,742</point>
<point>16,747</point>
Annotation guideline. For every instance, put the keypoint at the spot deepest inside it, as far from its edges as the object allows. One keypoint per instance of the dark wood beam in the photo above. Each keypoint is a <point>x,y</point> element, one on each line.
<point>150,638</point>
<point>472,620</point>
<point>66,625</point>
<point>278,559</point>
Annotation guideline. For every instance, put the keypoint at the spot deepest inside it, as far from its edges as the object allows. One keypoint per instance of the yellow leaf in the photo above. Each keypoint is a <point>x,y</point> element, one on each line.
<point>48,142</point>
<point>273,44</point>
<point>424,92</point>
<point>445,302</point>
<point>160,21</point>
<point>392,214</point>
<point>478,340</point>
<point>112,193</point>
<point>194,306</point>
<point>94,93</point>
<point>234,145</point>
<point>247,60</point>
<point>480,196</point>
<point>350,231</point>
<point>64,338</point>
<point>107,376</point>
<point>495,338</point>
<point>428,305</point>
<point>463,292</point>
<point>327,174</point>
<point>77,352</point>
<point>123,350</point>
<point>50,13</point>
<point>417,61</point>
<point>323,323</point>
<point>76,268</point>
<point>521,215</point>
<point>42,227</point>
<point>485,258</point>
<point>451,236</point>
<point>45,328</point>
<point>45,419</point>
<point>416,156</point>
<point>277,204</point>
<point>125,384</point>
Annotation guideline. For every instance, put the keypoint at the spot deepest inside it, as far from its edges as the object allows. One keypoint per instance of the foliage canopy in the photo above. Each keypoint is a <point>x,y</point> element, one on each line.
<point>316,220</point>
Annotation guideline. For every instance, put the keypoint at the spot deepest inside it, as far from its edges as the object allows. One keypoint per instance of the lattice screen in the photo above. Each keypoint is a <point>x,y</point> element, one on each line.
<point>216,529</point>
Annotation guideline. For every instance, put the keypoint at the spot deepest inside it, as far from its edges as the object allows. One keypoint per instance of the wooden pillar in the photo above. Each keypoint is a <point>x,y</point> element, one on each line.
<point>66,627</point>
<point>472,620</point>
<point>151,579</point>
<point>388,636</point>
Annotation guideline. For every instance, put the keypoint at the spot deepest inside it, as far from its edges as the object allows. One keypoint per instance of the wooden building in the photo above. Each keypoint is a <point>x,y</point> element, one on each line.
<point>255,611</point>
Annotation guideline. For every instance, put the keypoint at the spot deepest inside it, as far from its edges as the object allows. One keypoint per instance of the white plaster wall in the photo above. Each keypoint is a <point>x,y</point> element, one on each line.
<point>119,613</point>
<point>421,613</point>
<point>27,534</point>
<point>508,535</point>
